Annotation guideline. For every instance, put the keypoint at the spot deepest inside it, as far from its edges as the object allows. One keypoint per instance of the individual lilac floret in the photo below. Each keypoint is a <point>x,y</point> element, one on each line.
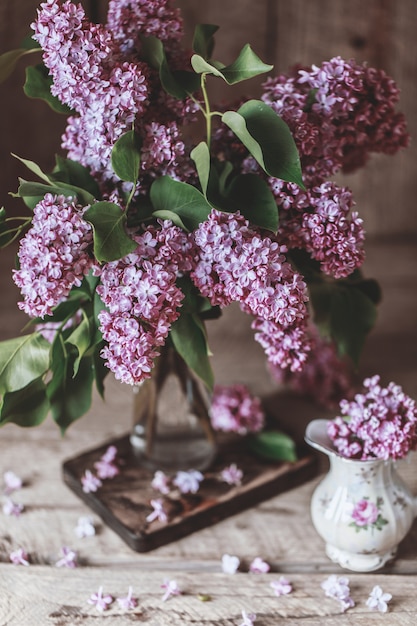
<point>85,527</point>
<point>378,600</point>
<point>68,559</point>
<point>161,482</point>
<point>188,482</point>
<point>282,586</point>
<point>90,482</point>
<point>232,475</point>
<point>248,618</point>
<point>230,564</point>
<point>12,482</point>
<point>171,589</point>
<point>259,566</point>
<point>101,601</point>
<point>337,587</point>
<point>12,508</point>
<point>129,602</point>
<point>158,512</point>
<point>378,424</point>
<point>19,557</point>
<point>53,255</point>
<point>234,409</point>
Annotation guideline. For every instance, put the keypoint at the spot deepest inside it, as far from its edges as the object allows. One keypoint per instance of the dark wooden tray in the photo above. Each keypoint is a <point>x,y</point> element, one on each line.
<point>123,502</point>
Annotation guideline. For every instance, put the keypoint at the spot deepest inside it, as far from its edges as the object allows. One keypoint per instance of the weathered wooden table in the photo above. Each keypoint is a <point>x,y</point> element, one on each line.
<point>278,530</point>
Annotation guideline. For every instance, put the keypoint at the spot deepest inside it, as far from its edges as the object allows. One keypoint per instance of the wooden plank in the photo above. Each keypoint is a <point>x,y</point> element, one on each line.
<point>44,595</point>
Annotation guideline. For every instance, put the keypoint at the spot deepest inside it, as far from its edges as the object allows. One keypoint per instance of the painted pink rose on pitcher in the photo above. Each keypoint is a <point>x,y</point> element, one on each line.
<point>364,513</point>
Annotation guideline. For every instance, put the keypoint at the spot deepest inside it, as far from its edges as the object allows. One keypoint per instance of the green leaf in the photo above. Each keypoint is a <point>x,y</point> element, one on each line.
<point>180,198</point>
<point>38,190</point>
<point>273,445</point>
<point>9,59</point>
<point>70,397</point>
<point>170,215</point>
<point>34,168</point>
<point>203,41</point>
<point>152,51</point>
<point>26,407</point>
<point>190,342</point>
<point>73,173</point>
<point>38,85</point>
<point>247,65</point>
<point>111,241</point>
<point>22,360</point>
<point>268,139</point>
<point>100,369</point>
<point>81,339</point>
<point>125,157</point>
<point>5,235</point>
<point>201,157</point>
<point>252,196</point>
<point>345,313</point>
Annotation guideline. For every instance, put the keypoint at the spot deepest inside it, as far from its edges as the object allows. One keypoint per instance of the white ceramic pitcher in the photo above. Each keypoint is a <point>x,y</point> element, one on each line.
<point>362,509</point>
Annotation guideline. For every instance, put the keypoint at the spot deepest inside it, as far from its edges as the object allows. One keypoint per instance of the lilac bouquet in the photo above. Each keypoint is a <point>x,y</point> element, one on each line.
<point>380,423</point>
<point>142,231</point>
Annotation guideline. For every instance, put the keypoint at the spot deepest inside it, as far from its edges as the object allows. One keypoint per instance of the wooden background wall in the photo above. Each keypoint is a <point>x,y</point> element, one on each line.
<point>282,32</point>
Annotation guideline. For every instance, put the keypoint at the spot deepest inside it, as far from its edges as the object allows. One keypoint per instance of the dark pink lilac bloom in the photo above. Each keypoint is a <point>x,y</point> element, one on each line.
<point>234,409</point>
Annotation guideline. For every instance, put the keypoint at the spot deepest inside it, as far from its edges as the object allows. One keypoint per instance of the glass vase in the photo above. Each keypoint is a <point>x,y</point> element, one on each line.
<point>171,420</point>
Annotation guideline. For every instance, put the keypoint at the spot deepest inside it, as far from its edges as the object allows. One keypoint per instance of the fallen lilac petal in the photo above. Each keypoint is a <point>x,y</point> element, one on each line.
<point>110,455</point>
<point>158,512</point>
<point>230,564</point>
<point>378,600</point>
<point>106,470</point>
<point>232,475</point>
<point>85,527</point>
<point>128,603</point>
<point>160,482</point>
<point>282,586</point>
<point>188,482</point>
<point>19,557</point>
<point>248,618</point>
<point>90,482</point>
<point>12,508</point>
<point>12,482</point>
<point>100,601</point>
<point>69,558</point>
<point>171,589</point>
<point>259,566</point>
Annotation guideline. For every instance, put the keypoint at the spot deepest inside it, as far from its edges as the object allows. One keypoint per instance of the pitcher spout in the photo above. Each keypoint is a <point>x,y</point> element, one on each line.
<point>316,436</point>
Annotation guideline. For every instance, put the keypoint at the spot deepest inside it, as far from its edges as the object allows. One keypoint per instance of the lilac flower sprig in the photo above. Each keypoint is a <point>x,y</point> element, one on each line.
<point>380,423</point>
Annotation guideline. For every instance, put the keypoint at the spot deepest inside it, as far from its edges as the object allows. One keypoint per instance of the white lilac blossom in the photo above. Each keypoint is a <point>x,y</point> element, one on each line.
<point>85,527</point>
<point>53,255</point>
<point>232,475</point>
<point>337,587</point>
<point>230,564</point>
<point>171,588</point>
<point>158,512</point>
<point>101,601</point>
<point>189,481</point>
<point>68,559</point>
<point>234,409</point>
<point>90,483</point>
<point>12,508</point>
<point>248,618</point>
<point>259,566</point>
<point>12,482</point>
<point>282,586</point>
<point>129,602</point>
<point>161,482</point>
<point>19,557</point>
<point>378,600</point>
<point>380,423</point>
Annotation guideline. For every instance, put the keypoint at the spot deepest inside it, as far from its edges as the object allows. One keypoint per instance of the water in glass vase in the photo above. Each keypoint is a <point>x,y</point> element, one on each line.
<point>172,428</point>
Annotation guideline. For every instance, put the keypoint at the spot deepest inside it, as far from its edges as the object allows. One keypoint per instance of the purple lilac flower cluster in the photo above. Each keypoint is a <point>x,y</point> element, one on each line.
<point>380,423</point>
<point>238,263</point>
<point>325,377</point>
<point>54,255</point>
<point>234,409</point>
<point>98,72</point>
<point>142,300</point>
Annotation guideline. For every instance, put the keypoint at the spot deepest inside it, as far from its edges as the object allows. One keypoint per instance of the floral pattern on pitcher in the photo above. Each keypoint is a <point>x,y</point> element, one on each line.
<point>367,515</point>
